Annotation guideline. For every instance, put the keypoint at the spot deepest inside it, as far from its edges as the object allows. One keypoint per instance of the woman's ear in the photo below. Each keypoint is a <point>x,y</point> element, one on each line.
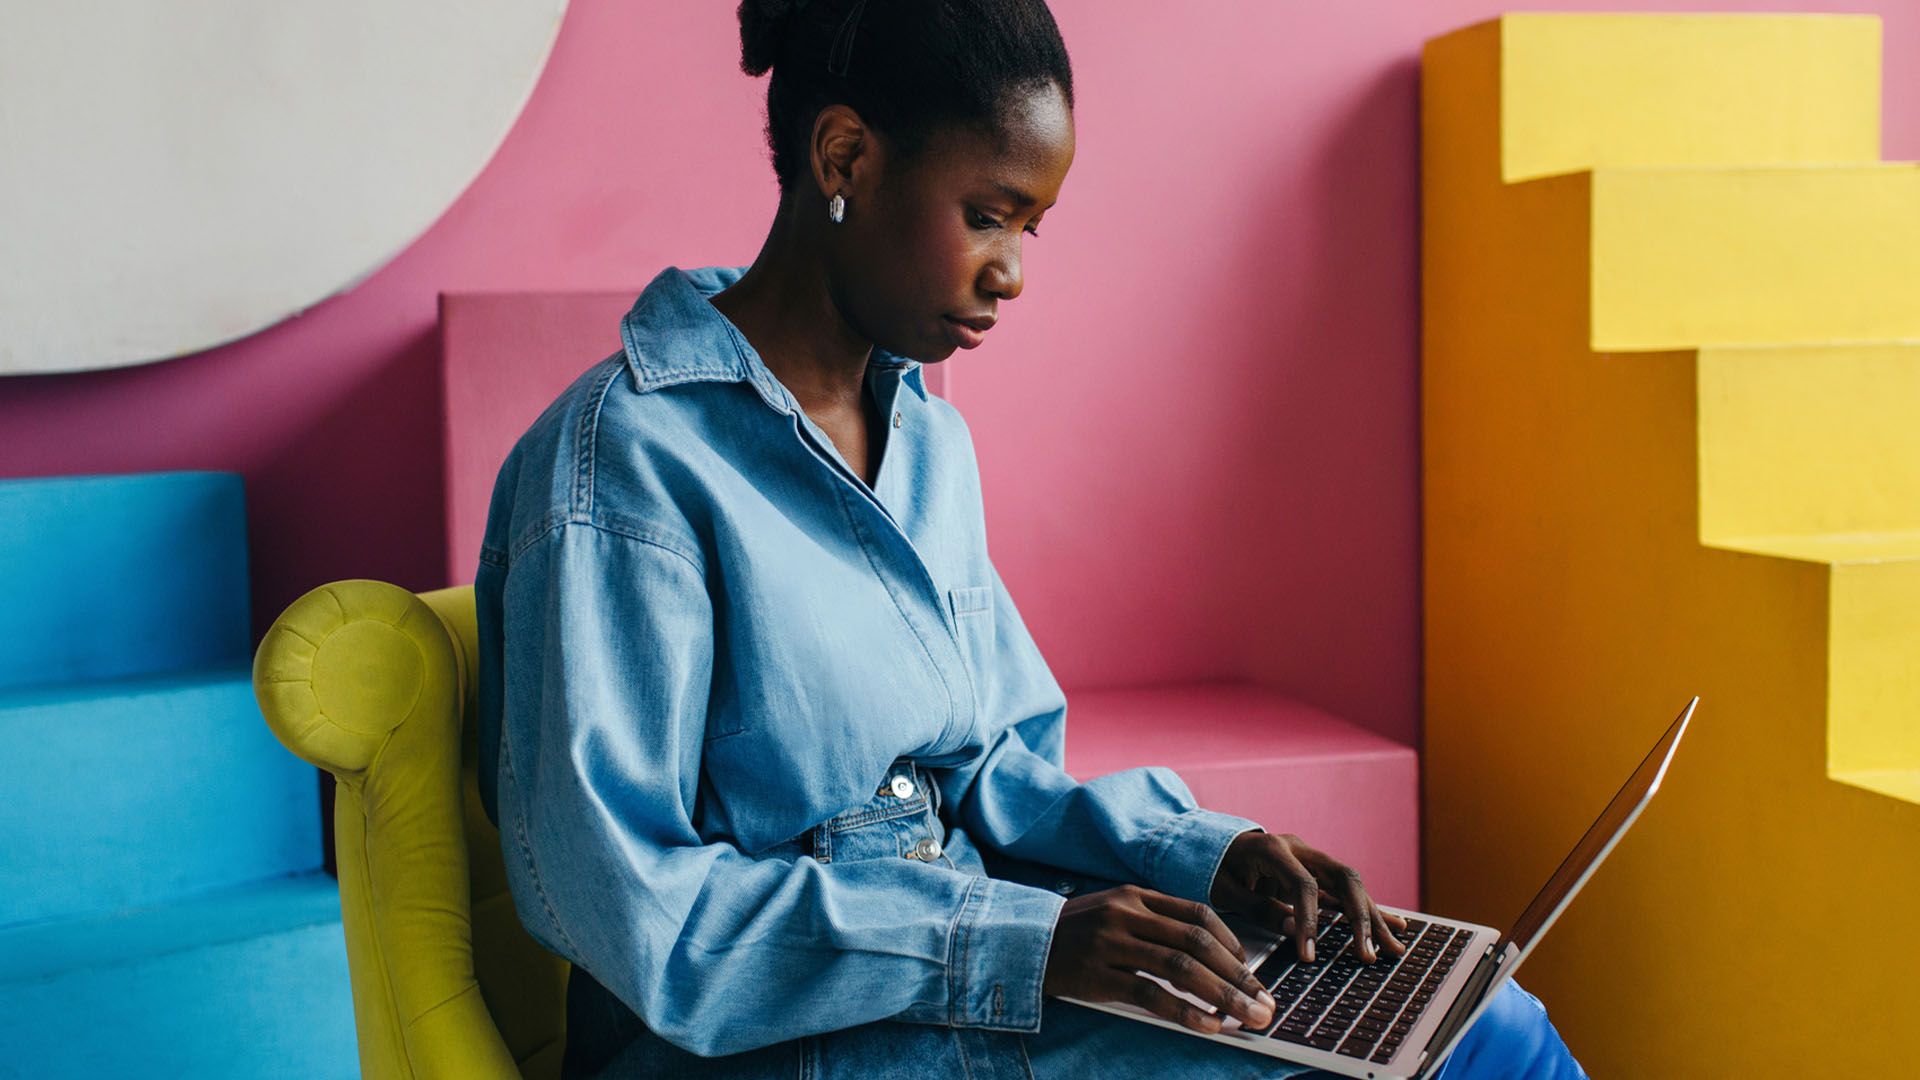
<point>841,152</point>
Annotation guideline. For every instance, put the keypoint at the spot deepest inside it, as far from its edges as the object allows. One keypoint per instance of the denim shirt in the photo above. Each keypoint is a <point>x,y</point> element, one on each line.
<point>703,636</point>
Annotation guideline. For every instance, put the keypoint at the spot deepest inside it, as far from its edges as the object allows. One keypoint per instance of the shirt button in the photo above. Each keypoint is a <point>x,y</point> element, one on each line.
<point>902,787</point>
<point>1065,888</point>
<point>896,419</point>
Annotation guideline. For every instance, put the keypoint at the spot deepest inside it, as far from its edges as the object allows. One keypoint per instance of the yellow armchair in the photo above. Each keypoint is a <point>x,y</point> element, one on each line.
<point>375,685</point>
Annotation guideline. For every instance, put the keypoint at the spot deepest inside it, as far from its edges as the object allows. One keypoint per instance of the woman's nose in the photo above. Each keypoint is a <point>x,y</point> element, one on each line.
<point>1003,279</point>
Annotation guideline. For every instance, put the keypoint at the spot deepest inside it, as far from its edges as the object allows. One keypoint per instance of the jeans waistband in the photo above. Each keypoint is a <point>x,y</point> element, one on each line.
<point>891,799</point>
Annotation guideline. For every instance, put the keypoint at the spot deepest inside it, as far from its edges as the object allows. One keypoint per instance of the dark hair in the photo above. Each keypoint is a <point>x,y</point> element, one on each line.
<point>914,66</point>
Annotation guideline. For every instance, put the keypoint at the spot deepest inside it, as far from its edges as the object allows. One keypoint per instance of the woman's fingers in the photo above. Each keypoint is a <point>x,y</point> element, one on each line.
<point>1104,940</point>
<point>1383,930</point>
<point>1191,948</point>
<point>1198,914</point>
<point>1344,884</point>
<point>1297,886</point>
<point>1290,876</point>
<point>1306,918</point>
<point>1186,972</point>
<point>1358,909</point>
<point>1148,995</point>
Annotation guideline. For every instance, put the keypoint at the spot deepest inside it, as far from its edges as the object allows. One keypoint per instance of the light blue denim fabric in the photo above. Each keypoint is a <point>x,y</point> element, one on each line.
<point>709,653</point>
<point>702,638</point>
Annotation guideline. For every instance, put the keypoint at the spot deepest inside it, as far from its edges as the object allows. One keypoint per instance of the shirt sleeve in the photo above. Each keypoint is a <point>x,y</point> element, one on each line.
<point>1140,825</point>
<point>606,657</point>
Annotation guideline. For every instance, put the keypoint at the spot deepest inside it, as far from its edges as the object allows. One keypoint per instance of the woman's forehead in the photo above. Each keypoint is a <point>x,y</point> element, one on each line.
<point>1029,156</point>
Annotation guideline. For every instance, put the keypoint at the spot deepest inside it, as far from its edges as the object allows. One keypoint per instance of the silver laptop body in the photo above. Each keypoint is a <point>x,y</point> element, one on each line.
<point>1456,965</point>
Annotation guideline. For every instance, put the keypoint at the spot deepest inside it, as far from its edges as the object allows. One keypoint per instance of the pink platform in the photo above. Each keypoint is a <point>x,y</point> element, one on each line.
<point>1252,751</point>
<point>1242,747</point>
<point>503,357</point>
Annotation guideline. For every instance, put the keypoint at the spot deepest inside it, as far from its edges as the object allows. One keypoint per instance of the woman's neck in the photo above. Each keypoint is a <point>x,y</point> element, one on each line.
<point>782,305</point>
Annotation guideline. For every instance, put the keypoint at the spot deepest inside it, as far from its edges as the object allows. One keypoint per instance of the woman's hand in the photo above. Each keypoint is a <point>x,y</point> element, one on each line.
<point>1277,881</point>
<point>1104,938</point>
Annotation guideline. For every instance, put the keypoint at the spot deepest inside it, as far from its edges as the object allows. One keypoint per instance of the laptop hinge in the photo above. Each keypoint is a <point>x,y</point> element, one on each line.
<point>1464,1003</point>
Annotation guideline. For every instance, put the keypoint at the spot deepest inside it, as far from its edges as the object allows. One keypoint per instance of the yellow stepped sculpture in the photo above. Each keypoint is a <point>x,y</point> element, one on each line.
<point>1671,429</point>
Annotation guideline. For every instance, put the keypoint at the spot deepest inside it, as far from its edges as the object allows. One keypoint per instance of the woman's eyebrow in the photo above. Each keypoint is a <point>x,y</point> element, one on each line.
<point>1016,194</point>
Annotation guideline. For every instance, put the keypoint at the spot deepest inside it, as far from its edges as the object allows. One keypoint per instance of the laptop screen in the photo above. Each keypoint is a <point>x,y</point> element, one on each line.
<point>1599,840</point>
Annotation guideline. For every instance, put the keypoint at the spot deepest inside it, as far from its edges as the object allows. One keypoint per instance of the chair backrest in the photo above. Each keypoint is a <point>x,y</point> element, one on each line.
<point>375,685</point>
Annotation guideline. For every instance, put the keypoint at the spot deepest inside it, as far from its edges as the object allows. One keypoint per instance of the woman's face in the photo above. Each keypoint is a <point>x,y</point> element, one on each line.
<point>938,240</point>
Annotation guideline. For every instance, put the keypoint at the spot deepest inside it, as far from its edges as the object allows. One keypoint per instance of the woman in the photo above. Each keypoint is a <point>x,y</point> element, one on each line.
<point>776,763</point>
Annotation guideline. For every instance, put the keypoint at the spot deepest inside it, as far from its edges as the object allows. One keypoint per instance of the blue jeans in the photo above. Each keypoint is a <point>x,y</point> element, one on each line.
<point>1512,1039</point>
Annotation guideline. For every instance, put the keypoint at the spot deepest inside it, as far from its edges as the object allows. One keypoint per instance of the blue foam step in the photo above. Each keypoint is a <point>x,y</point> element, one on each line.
<point>130,792</point>
<point>248,982</point>
<point>121,574</point>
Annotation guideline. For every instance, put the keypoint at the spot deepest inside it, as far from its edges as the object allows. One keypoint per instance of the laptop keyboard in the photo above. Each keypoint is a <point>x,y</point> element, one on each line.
<point>1344,1004</point>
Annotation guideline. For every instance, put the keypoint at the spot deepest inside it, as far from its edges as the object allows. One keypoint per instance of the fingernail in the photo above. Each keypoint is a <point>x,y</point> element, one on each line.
<point>1264,998</point>
<point>1309,950</point>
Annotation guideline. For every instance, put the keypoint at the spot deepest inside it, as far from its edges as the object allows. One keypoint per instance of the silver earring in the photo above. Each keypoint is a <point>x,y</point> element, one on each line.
<point>837,207</point>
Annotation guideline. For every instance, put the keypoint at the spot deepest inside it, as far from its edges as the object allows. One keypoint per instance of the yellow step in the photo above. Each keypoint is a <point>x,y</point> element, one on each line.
<point>1809,439</point>
<point>1873,651</point>
<point>1591,90</point>
<point>1744,256</point>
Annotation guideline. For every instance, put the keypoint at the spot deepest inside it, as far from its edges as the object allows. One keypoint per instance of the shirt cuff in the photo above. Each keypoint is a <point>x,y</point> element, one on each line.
<point>1184,852</point>
<point>1000,946</point>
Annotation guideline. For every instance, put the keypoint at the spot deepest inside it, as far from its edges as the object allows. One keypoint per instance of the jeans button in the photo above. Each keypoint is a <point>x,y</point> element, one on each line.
<point>926,850</point>
<point>1065,888</point>
<point>902,787</point>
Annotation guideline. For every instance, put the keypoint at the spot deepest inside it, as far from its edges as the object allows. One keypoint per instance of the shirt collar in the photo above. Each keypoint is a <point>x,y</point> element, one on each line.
<point>673,334</point>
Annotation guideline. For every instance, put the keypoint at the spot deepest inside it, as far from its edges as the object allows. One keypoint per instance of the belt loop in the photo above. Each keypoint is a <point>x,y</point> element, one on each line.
<point>822,843</point>
<point>924,777</point>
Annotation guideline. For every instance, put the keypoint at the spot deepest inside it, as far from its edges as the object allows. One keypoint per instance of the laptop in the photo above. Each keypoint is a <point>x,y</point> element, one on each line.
<point>1400,1016</point>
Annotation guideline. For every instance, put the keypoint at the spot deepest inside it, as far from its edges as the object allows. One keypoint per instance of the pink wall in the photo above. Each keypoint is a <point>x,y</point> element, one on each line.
<point>1219,333</point>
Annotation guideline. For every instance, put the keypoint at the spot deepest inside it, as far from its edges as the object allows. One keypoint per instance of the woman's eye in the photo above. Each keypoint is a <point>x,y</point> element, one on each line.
<point>982,221</point>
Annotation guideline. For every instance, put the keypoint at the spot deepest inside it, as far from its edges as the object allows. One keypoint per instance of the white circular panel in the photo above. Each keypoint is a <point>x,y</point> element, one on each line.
<point>175,174</point>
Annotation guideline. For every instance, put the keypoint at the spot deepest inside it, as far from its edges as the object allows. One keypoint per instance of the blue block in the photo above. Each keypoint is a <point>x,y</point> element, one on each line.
<point>106,576</point>
<point>135,791</point>
<point>245,983</point>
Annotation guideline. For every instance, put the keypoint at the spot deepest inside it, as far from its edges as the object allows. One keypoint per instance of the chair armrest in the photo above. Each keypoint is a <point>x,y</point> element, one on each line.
<point>345,665</point>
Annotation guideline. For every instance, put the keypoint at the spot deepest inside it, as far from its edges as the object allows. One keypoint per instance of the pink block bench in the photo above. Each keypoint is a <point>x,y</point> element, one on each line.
<point>1252,751</point>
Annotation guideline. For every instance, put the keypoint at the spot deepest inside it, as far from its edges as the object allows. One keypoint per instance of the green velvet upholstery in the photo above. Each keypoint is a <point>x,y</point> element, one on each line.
<point>375,685</point>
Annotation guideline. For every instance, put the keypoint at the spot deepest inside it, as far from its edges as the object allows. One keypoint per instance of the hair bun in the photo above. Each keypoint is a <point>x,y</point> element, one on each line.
<point>764,26</point>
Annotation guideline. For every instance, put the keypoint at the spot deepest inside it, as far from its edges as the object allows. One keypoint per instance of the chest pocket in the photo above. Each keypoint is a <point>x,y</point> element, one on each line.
<point>973,621</point>
<point>972,602</point>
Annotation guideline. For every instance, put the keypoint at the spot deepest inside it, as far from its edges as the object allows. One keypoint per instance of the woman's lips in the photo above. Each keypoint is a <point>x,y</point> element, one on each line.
<point>963,335</point>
